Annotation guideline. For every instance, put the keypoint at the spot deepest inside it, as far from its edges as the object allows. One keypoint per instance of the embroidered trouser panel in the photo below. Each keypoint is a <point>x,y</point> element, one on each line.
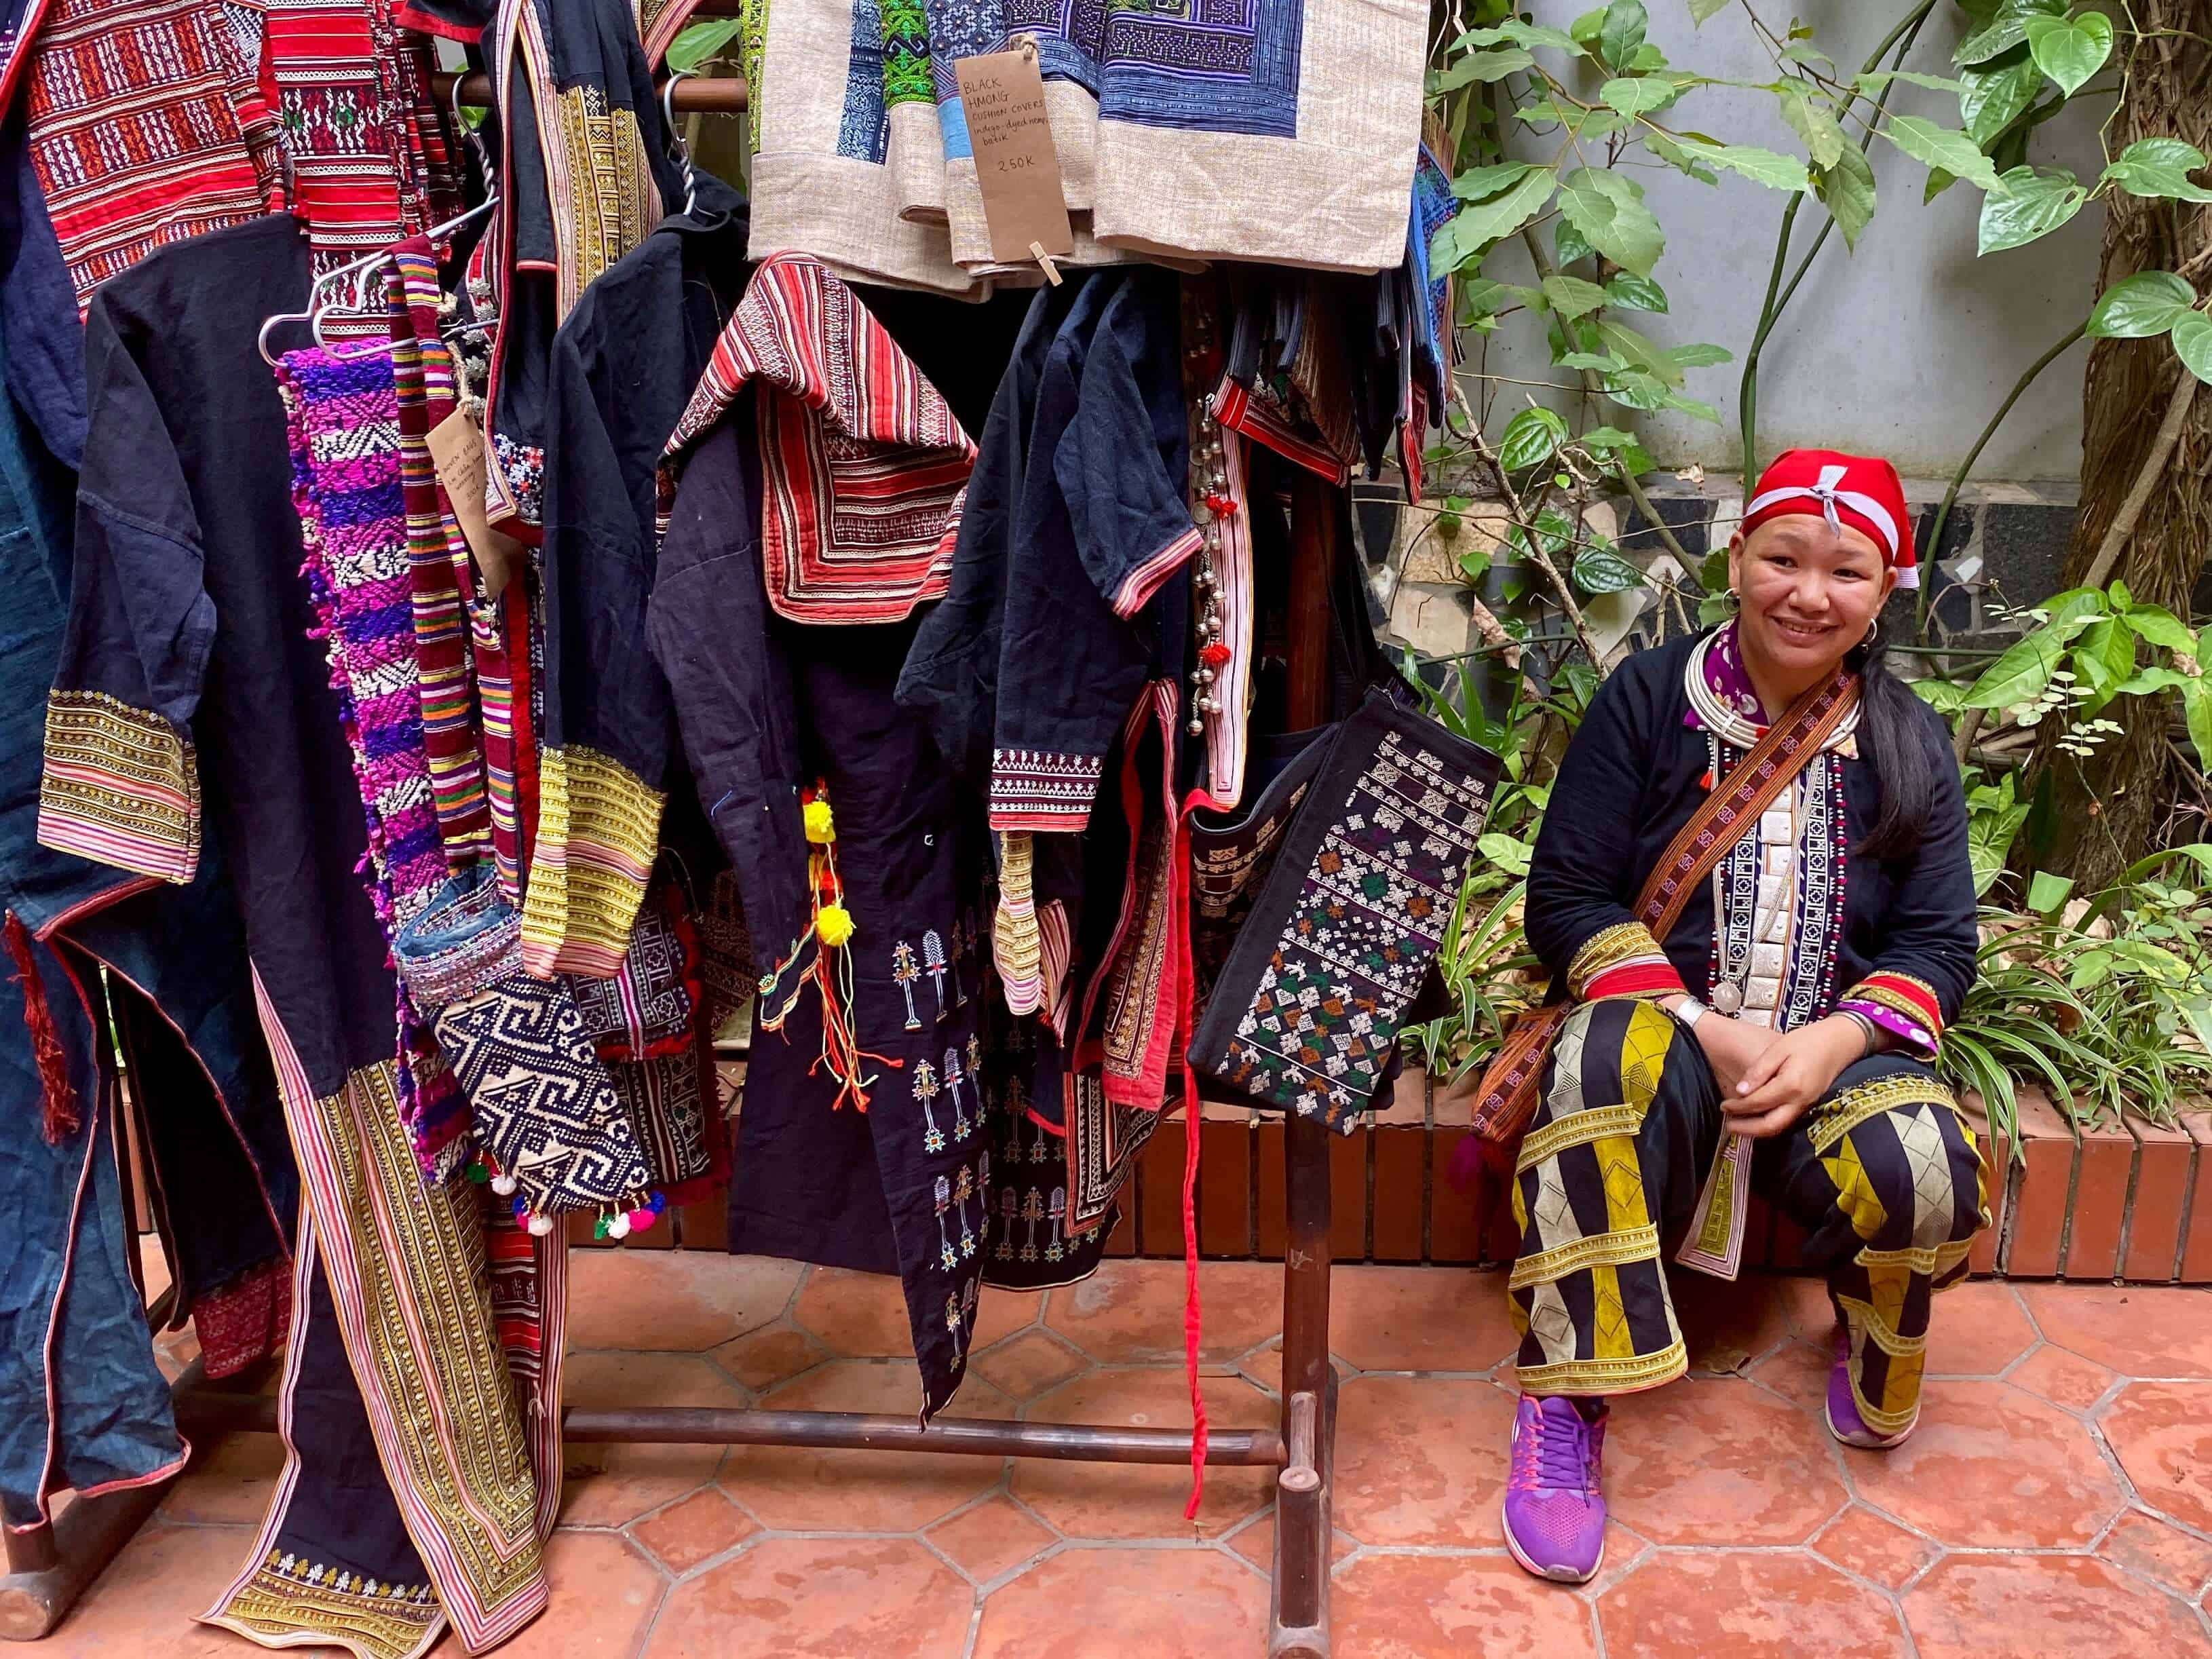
<point>1882,1174</point>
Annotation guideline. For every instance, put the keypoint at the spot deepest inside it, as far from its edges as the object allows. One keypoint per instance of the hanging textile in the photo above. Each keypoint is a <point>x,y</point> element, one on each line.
<point>191,648</point>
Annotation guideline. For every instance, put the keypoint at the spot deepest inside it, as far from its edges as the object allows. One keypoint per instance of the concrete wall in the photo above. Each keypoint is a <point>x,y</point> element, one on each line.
<point>1904,347</point>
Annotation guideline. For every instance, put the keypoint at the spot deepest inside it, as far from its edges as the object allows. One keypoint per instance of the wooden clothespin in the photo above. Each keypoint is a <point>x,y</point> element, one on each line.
<point>1051,270</point>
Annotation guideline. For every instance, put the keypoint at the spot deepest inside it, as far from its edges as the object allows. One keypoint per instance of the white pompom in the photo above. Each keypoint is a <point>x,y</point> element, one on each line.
<point>504,1185</point>
<point>619,1227</point>
<point>540,1225</point>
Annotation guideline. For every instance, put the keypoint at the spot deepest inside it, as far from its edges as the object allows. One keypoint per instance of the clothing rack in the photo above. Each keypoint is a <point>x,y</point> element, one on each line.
<point>50,1565</point>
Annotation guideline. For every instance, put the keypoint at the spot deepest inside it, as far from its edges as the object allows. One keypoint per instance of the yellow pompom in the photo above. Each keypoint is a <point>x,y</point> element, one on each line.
<point>821,828</point>
<point>833,923</point>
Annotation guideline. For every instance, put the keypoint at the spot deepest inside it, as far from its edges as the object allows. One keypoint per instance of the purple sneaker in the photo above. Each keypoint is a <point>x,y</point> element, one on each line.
<point>1554,1512</point>
<point>1843,1420</point>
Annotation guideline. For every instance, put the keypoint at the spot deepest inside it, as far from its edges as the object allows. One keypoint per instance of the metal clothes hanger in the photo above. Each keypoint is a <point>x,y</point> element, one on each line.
<point>682,150</point>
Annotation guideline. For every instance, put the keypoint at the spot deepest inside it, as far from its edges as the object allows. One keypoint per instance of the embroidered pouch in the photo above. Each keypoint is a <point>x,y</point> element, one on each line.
<point>1307,1010</point>
<point>646,1008</point>
<point>663,1098</point>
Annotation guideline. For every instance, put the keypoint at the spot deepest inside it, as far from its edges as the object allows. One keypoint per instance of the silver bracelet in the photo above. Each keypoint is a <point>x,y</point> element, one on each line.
<point>1871,1033</point>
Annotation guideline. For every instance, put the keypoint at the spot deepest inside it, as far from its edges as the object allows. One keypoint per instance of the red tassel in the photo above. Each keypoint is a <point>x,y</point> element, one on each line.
<point>60,1120</point>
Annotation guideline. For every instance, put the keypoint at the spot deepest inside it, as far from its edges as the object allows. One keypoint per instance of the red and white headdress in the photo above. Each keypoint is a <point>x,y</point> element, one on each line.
<point>1862,491</point>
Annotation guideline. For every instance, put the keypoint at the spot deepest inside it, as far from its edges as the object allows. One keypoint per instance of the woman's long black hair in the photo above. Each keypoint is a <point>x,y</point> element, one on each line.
<point>1893,737</point>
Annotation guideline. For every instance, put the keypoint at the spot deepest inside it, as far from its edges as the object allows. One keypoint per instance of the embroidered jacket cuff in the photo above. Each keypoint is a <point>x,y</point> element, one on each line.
<point>1037,789</point>
<point>121,786</point>
<point>1141,583</point>
<point>1899,1004</point>
<point>1623,961</point>
<point>599,830</point>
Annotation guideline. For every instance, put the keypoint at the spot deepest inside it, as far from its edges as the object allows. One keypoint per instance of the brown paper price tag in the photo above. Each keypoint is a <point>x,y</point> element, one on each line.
<point>1016,165</point>
<point>456,450</point>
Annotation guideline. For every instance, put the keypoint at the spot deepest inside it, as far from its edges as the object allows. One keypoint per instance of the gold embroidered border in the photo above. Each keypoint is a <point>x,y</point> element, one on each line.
<point>1576,1130</point>
<point>608,205</point>
<point>280,1608</point>
<point>1932,1262</point>
<point>1609,949</point>
<point>121,786</point>
<point>1897,1347</point>
<point>599,831</point>
<point>1865,1101</point>
<point>1596,1250</point>
<point>1587,1376</point>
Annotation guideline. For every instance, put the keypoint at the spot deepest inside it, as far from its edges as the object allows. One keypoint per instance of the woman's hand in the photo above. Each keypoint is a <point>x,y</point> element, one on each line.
<point>1732,1047</point>
<point>1795,1069</point>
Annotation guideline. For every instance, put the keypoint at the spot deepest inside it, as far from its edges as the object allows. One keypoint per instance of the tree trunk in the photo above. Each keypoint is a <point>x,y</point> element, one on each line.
<point>2108,810</point>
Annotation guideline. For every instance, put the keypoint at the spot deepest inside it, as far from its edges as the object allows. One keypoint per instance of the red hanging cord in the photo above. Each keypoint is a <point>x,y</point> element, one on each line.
<point>60,1119</point>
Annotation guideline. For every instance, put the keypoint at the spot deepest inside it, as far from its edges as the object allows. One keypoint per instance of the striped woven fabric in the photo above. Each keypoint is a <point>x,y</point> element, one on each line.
<point>343,417</point>
<point>863,462</point>
<point>422,377</point>
<point>142,113</point>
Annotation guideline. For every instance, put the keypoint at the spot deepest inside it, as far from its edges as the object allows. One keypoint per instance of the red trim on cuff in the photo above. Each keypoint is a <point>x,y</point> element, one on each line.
<point>1140,584</point>
<point>1635,978</point>
<point>1921,998</point>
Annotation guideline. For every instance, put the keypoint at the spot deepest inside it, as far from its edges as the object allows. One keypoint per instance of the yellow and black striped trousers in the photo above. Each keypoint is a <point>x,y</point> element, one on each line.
<point>1883,1173</point>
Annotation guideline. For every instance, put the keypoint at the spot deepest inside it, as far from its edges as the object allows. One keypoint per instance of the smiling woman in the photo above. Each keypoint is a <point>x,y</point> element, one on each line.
<point>1761,818</point>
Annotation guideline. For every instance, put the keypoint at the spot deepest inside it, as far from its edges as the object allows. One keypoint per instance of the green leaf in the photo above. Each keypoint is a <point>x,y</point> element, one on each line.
<point>1520,35</point>
<point>2025,670</point>
<point>1479,183</point>
<point>1637,390</point>
<point>2140,306</point>
<point>1873,81</point>
<point>2163,629</point>
<point>2104,657</point>
<point>2192,344</point>
<point>1572,296</point>
<point>1633,293</point>
<point>1814,122</point>
<point>1947,148</point>
<point>2196,706</point>
<point>1640,94</point>
<point>1492,65</point>
<point>1675,156</point>
<point>2047,891</point>
<point>1716,608</point>
<point>1476,226</point>
<point>1622,31</point>
<point>1569,246</point>
<point>1480,296</point>
<point>1945,696</point>
<point>1702,11</point>
<point>696,42</point>
<point>1597,363</point>
<point>1761,166</point>
<point>1692,407</point>
<point>1504,851</point>
<point>1601,570</point>
<point>1532,438</point>
<point>1632,347</point>
<point>2039,201</point>
<point>2070,52</point>
<point>2160,167</point>
<point>1607,209</point>
<point>1847,190</point>
<point>2006,30</point>
<point>1991,100</point>
<point>1699,355</point>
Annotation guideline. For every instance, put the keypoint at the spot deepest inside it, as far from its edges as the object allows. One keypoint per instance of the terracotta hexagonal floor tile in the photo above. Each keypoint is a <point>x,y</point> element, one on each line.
<point>1420,1319</point>
<point>1716,1460</point>
<point>1992,1466</point>
<point>1745,1604</point>
<point>2031,1607</point>
<point>1257,1543</point>
<point>1432,1606</point>
<point>2162,1434</point>
<point>2161,1552</point>
<point>818,1598</point>
<point>1977,1329</point>
<point>144,1606</point>
<point>1028,1363</point>
<point>2063,1377</point>
<point>1161,1603</point>
<point>2136,1332</point>
<point>800,1489</point>
<point>612,1485</point>
<point>227,1480</point>
<point>1001,1312</point>
<point>605,1594</point>
<point>688,1300</point>
<point>1798,1371</point>
<point>1874,1548</point>
<point>858,1315</point>
<point>1130,1313</point>
<point>695,1529</point>
<point>991,1539</point>
<point>1137,1500</point>
<point>774,1353</point>
<point>1422,1459</point>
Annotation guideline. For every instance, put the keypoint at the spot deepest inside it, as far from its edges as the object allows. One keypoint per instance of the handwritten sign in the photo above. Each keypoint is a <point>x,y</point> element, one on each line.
<point>456,450</point>
<point>1016,165</point>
